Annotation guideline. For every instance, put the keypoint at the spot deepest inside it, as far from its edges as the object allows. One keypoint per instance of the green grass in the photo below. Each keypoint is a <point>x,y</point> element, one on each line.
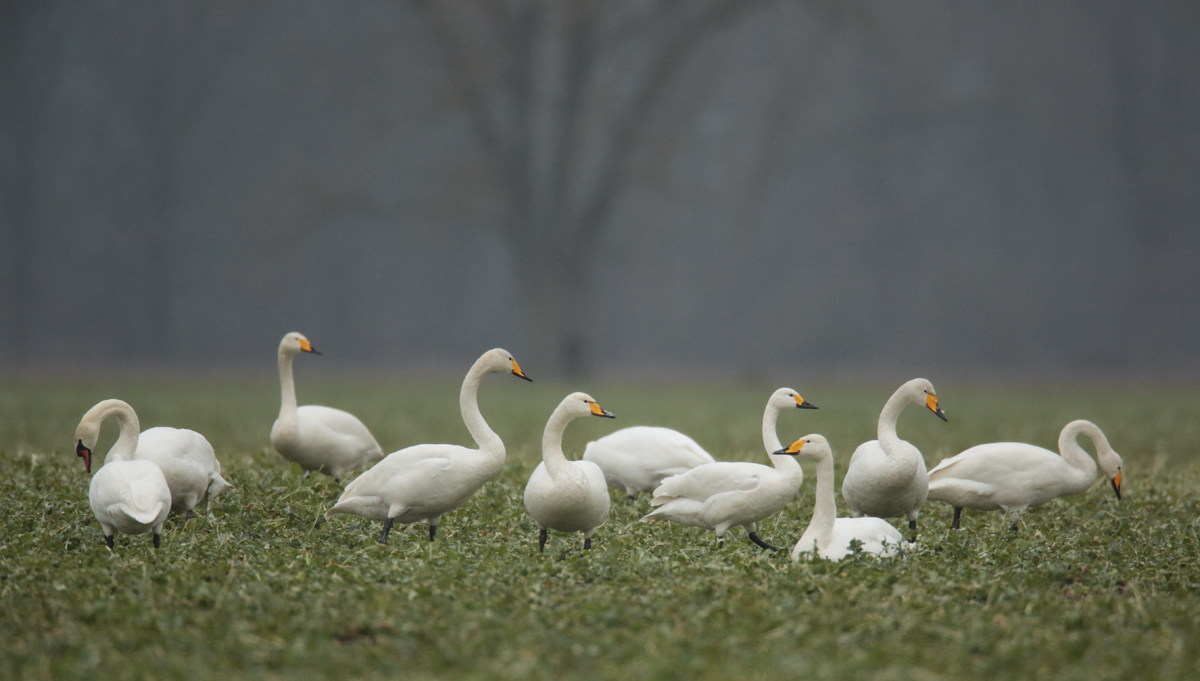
<point>1089,588</point>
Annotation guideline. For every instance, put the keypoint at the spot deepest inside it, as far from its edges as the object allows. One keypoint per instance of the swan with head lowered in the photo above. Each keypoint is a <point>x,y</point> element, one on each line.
<point>565,495</point>
<point>887,477</point>
<point>725,494</point>
<point>1014,476</point>
<point>827,535</point>
<point>318,438</point>
<point>125,494</point>
<point>638,459</point>
<point>424,481</point>
<point>186,458</point>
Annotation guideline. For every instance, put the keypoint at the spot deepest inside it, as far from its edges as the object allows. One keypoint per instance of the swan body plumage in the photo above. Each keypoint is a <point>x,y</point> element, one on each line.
<point>424,481</point>
<point>827,535</point>
<point>1014,476</point>
<point>565,495</point>
<point>724,494</point>
<point>128,495</point>
<point>188,462</point>
<point>887,476</point>
<point>639,458</point>
<point>317,438</point>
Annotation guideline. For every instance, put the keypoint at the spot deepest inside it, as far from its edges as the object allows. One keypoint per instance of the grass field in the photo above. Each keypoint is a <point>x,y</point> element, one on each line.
<point>1089,588</point>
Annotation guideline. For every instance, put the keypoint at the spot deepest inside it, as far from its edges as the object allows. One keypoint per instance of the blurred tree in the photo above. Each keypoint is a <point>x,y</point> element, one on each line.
<point>558,92</point>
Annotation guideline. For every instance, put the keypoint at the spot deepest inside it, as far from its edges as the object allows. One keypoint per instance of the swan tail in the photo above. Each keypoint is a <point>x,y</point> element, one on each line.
<point>362,506</point>
<point>145,516</point>
<point>217,484</point>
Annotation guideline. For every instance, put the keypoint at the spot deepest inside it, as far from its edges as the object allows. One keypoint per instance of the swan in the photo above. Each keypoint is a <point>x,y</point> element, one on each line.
<point>720,495</point>
<point>318,438</point>
<point>125,494</point>
<point>185,457</point>
<point>887,477</point>
<point>637,459</point>
<point>564,495</point>
<point>424,481</point>
<point>828,535</point>
<point>1014,476</point>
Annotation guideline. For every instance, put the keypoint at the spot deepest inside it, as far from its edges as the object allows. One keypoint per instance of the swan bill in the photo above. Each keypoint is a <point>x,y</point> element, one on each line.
<point>516,369</point>
<point>804,404</point>
<point>86,454</point>
<point>794,448</point>
<point>931,401</point>
<point>596,410</point>
<point>306,346</point>
<point>1116,484</point>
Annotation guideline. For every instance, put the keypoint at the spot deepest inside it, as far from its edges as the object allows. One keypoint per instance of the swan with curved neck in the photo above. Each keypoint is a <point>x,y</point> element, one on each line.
<point>887,476</point>
<point>717,496</point>
<point>565,495</point>
<point>1014,476</point>
<point>317,438</point>
<point>639,458</point>
<point>125,494</point>
<point>424,481</point>
<point>186,458</point>
<point>827,535</point>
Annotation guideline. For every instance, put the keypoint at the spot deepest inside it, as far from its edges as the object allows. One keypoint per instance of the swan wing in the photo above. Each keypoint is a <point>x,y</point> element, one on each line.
<point>874,535</point>
<point>709,480</point>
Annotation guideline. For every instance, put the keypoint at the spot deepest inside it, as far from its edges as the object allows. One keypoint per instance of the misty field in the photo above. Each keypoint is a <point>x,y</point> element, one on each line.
<point>1088,588</point>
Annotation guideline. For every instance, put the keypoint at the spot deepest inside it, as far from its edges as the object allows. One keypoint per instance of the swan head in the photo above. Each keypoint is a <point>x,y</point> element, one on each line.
<point>295,343</point>
<point>87,433</point>
<point>786,398</point>
<point>499,361</point>
<point>812,447</point>
<point>921,391</point>
<point>1110,463</point>
<point>582,404</point>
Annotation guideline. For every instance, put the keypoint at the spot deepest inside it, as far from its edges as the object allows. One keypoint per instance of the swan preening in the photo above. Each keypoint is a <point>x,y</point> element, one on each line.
<point>887,477</point>
<point>1014,476</point>
<point>424,481</point>
<point>125,494</point>
<point>827,535</point>
<point>565,495</point>
<point>318,438</point>
<point>638,459</point>
<point>717,496</point>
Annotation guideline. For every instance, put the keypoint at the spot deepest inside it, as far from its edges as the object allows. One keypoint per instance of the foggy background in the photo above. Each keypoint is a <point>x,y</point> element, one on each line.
<point>716,187</point>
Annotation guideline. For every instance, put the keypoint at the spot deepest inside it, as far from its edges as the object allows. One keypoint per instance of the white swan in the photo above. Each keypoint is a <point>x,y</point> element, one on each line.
<point>1014,476</point>
<point>887,477</point>
<point>564,495</point>
<point>717,496</point>
<point>185,457</point>
<point>125,494</point>
<point>318,438</point>
<point>637,459</point>
<point>424,481</point>
<point>828,535</point>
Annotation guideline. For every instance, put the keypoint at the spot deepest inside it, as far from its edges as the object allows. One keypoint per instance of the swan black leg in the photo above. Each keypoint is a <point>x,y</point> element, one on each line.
<point>632,498</point>
<point>157,540</point>
<point>587,543</point>
<point>757,540</point>
<point>542,541</point>
<point>912,525</point>
<point>387,528</point>
<point>432,531</point>
<point>189,516</point>
<point>957,522</point>
<point>108,541</point>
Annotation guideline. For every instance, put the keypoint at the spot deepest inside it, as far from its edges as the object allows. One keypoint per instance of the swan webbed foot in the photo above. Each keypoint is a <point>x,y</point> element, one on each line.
<point>956,524</point>
<point>387,528</point>
<point>758,540</point>
<point>587,543</point>
<point>542,541</point>
<point>1013,527</point>
<point>157,540</point>
<point>631,497</point>
<point>108,541</point>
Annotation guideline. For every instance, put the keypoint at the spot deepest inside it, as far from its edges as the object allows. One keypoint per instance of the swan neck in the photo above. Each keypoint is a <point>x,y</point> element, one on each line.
<point>552,453</point>
<point>886,430</point>
<point>127,421</point>
<point>1068,446</point>
<point>468,402</point>
<point>287,386</point>
<point>820,528</point>
<point>769,433</point>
